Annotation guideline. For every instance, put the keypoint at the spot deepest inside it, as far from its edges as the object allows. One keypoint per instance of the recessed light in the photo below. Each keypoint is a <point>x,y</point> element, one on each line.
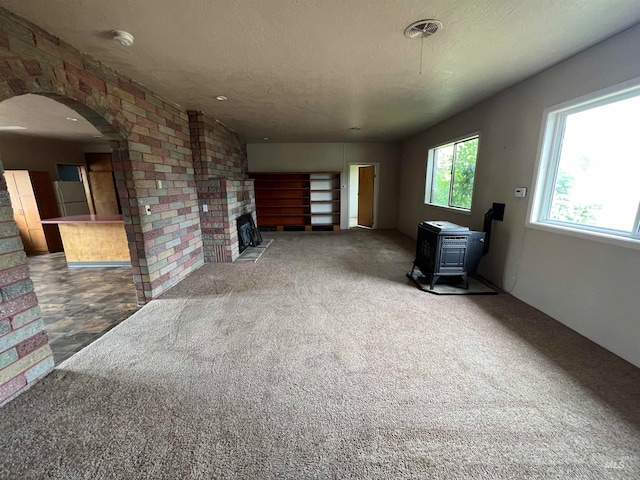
<point>72,119</point>
<point>355,129</point>
<point>221,98</point>
<point>8,128</point>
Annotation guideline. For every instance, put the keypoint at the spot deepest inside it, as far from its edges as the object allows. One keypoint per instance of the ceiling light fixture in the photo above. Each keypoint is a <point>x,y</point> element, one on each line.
<point>9,128</point>
<point>72,119</point>
<point>266,138</point>
<point>122,37</point>
<point>221,98</point>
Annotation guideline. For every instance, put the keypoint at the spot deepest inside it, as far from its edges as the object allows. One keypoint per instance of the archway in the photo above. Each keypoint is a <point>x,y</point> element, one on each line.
<point>155,179</point>
<point>58,165</point>
<point>119,154</point>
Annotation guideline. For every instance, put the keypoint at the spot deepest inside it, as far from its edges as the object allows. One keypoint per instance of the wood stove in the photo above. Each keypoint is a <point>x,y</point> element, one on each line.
<point>445,249</point>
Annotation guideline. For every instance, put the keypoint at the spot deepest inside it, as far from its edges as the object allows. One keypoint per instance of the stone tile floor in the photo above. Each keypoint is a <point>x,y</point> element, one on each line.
<point>80,304</point>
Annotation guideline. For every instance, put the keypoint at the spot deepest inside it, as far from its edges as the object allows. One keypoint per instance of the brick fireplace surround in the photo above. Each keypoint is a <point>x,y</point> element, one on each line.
<point>173,161</point>
<point>220,162</point>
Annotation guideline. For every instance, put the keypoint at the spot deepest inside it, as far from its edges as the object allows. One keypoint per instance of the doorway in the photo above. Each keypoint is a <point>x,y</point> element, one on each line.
<point>49,161</point>
<point>363,195</point>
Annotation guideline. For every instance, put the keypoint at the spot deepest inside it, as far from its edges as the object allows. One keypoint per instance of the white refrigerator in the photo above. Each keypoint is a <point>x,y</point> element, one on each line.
<point>71,198</point>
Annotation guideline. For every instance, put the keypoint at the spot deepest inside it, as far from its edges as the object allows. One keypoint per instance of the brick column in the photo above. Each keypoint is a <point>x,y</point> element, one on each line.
<point>220,163</point>
<point>25,355</point>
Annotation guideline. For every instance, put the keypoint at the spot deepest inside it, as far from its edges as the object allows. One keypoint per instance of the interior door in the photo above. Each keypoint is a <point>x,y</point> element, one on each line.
<point>103,190</point>
<point>102,184</point>
<point>366,177</point>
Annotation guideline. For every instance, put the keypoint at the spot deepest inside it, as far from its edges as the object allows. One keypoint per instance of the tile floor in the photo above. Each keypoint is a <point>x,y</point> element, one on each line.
<point>80,304</point>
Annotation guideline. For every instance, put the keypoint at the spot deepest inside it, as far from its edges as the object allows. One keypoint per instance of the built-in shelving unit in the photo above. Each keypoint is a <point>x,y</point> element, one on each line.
<point>297,201</point>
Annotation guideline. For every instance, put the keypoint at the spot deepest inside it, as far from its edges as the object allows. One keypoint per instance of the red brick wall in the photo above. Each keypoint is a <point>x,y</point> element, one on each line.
<point>218,151</point>
<point>153,166</point>
<point>220,161</point>
<point>25,355</point>
<point>151,139</point>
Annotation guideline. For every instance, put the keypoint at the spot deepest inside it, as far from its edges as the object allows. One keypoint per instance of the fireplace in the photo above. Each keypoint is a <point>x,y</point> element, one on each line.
<point>226,201</point>
<point>248,233</point>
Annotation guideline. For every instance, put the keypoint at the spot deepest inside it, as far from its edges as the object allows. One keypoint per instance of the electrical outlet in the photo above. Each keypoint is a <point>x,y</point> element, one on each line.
<point>205,208</point>
<point>147,209</point>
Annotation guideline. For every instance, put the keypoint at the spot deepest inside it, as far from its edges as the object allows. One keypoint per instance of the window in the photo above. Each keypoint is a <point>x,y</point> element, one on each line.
<point>451,170</point>
<point>590,165</point>
<point>68,173</point>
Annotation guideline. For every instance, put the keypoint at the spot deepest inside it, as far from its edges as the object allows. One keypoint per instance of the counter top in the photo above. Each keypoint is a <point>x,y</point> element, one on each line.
<point>84,219</point>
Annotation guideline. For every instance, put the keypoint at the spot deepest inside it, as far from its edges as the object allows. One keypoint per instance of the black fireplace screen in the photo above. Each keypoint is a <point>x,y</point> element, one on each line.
<point>248,233</point>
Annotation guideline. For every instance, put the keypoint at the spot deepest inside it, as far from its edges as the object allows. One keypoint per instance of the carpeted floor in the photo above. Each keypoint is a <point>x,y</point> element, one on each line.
<point>324,361</point>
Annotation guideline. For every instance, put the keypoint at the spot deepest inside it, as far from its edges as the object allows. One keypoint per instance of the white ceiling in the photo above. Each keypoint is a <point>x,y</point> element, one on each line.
<point>308,70</point>
<point>44,117</point>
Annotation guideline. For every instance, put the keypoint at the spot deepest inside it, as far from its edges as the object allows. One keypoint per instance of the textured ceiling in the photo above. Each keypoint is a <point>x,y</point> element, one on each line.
<point>305,70</point>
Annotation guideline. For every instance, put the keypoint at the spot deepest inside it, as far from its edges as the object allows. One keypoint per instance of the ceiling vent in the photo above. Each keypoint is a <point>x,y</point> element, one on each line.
<point>422,29</point>
<point>122,37</point>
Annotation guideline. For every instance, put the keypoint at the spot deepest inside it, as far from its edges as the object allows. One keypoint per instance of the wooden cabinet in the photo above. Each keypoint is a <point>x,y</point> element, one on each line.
<point>298,201</point>
<point>32,199</point>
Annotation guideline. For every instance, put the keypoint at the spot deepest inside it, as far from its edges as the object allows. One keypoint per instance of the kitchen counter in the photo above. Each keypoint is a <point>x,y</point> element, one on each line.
<point>84,219</point>
<point>93,240</point>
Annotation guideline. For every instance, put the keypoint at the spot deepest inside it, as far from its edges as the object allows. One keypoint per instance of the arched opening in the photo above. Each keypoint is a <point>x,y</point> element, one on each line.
<point>65,175</point>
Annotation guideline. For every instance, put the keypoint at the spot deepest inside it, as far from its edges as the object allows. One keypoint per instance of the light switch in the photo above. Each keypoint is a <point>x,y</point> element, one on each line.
<point>159,183</point>
<point>205,208</point>
<point>521,192</point>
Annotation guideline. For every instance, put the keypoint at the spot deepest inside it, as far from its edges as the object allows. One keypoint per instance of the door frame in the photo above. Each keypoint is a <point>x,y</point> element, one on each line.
<point>376,189</point>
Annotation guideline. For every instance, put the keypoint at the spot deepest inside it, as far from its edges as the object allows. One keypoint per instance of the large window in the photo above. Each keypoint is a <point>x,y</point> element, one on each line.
<point>589,171</point>
<point>451,170</point>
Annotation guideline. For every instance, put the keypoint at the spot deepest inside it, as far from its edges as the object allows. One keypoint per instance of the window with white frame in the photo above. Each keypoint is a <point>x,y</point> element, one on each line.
<point>451,170</point>
<point>589,166</point>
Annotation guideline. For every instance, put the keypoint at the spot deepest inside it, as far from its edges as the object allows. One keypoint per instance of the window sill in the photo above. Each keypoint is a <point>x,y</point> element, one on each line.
<point>626,242</point>
<point>450,209</point>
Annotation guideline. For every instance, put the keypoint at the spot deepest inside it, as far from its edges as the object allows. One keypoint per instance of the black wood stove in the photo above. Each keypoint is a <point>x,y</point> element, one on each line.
<point>445,249</point>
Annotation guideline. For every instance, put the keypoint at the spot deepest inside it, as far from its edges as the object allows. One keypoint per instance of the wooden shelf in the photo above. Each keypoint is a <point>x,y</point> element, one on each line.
<point>288,215</point>
<point>285,199</point>
<point>280,206</point>
<point>280,188</point>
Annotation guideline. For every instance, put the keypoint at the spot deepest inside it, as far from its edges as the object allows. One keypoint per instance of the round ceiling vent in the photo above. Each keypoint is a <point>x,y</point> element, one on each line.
<point>422,29</point>
<point>124,38</point>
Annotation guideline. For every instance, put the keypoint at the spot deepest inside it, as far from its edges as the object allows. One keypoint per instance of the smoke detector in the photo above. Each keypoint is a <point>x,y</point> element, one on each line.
<point>422,29</point>
<point>124,38</point>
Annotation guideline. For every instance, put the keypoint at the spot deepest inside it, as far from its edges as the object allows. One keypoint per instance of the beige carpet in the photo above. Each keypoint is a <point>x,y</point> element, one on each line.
<point>324,361</point>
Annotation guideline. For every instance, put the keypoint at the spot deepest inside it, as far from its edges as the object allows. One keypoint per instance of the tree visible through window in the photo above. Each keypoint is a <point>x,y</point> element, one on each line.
<point>451,173</point>
<point>589,179</point>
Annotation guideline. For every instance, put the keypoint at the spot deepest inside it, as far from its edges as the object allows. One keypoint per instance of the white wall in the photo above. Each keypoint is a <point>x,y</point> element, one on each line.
<point>353,191</point>
<point>335,157</point>
<point>589,286</point>
<point>21,152</point>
